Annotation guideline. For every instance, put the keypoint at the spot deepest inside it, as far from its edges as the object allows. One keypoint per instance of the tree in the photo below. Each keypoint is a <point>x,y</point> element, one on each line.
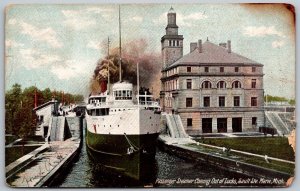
<point>13,101</point>
<point>20,119</point>
<point>292,102</point>
<point>47,94</point>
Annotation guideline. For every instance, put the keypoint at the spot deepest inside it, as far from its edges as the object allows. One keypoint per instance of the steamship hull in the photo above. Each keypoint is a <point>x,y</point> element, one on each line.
<point>111,151</point>
<point>129,148</point>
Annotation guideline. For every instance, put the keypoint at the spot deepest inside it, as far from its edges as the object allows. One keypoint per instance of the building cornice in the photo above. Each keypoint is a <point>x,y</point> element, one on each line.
<point>193,64</point>
<point>203,75</point>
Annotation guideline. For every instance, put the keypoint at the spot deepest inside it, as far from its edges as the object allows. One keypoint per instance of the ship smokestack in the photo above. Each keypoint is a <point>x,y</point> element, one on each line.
<point>103,86</point>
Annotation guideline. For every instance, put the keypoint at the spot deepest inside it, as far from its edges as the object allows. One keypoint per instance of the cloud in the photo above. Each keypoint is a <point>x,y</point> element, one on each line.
<point>99,10</point>
<point>194,16</point>
<point>277,43</point>
<point>32,58</point>
<point>13,44</point>
<point>262,31</point>
<point>12,21</point>
<point>85,18</point>
<point>136,19</point>
<point>47,35</point>
<point>182,20</point>
<point>77,19</point>
<point>93,45</point>
<point>69,69</point>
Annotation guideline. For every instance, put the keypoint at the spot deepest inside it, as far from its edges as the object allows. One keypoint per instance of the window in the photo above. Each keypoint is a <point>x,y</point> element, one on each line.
<point>188,69</point>
<point>221,69</point>
<point>189,122</point>
<point>189,84</point>
<point>254,121</point>
<point>170,43</point>
<point>189,102</point>
<point>236,101</point>
<point>177,42</point>
<point>253,69</point>
<point>254,101</point>
<point>222,101</point>
<point>206,101</point>
<point>206,85</point>
<point>236,69</point>
<point>221,85</point>
<point>253,83</point>
<point>206,69</point>
<point>41,118</point>
<point>236,84</point>
<point>173,42</point>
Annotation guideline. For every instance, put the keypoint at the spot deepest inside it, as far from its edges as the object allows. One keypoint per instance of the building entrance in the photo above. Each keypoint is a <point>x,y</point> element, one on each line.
<point>222,125</point>
<point>237,124</point>
<point>206,125</point>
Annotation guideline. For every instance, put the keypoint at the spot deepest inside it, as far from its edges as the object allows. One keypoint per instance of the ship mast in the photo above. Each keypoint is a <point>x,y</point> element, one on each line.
<point>108,64</point>
<point>138,83</point>
<point>120,47</point>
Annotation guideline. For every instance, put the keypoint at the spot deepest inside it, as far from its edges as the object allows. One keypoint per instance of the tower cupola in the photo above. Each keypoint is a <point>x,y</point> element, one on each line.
<point>172,43</point>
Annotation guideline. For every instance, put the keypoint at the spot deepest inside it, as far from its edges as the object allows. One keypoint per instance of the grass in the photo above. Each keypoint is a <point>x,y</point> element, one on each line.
<point>275,165</point>
<point>277,147</point>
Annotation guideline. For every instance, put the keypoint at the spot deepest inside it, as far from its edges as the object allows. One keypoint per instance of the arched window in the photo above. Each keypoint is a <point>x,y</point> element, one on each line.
<point>221,85</point>
<point>206,85</point>
<point>236,84</point>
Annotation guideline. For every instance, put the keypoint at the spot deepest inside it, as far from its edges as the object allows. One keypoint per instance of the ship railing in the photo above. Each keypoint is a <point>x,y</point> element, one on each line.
<point>149,103</point>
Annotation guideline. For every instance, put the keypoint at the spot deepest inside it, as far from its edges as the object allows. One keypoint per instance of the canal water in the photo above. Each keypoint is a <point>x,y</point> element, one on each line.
<point>166,171</point>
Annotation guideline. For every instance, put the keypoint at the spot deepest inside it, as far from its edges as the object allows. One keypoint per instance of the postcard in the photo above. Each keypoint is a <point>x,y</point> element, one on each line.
<point>150,95</point>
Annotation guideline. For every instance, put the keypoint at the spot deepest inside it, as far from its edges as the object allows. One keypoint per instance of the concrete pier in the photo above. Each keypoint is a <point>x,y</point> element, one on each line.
<point>42,166</point>
<point>216,157</point>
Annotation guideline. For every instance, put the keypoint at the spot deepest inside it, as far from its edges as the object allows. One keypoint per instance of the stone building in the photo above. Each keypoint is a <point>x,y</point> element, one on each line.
<point>213,89</point>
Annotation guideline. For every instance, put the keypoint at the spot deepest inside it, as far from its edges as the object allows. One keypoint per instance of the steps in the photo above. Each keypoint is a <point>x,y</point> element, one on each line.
<point>277,123</point>
<point>175,126</point>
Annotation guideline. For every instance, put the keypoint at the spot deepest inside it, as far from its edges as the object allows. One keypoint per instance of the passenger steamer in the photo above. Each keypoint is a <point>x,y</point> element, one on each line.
<point>121,134</point>
<point>122,128</point>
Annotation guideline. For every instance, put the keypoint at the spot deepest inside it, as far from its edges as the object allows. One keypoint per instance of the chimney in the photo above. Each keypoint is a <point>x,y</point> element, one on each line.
<point>223,44</point>
<point>200,46</point>
<point>193,46</point>
<point>229,46</point>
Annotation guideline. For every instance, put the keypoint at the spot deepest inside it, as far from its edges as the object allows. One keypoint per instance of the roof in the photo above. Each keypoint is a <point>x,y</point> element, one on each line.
<point>171,10</point>
<point>44,105</point>
<point>212,54</point>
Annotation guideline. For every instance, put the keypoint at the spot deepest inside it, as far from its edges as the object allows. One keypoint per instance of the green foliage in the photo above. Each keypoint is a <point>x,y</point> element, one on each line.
<point>275,98</point>
<point>269,98</point>
<point>292,102</point>
<point>20,119</point>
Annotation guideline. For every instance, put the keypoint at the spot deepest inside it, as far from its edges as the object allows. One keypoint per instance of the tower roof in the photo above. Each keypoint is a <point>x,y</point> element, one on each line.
<point>171,10</point>
<point>213,54</point>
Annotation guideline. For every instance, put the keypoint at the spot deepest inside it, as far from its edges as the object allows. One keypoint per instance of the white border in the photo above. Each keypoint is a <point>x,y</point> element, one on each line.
<point>4,3</point>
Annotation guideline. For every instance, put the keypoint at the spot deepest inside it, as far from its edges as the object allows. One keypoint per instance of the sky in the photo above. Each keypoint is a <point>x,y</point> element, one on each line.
<point>57,46</point>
